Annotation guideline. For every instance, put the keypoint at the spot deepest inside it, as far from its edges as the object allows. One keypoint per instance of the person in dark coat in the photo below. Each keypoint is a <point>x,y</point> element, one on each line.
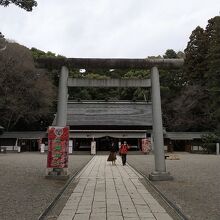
<point>113,151</point>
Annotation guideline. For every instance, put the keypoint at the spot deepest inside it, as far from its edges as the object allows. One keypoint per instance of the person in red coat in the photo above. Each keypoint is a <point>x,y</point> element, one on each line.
<point>123,151</point>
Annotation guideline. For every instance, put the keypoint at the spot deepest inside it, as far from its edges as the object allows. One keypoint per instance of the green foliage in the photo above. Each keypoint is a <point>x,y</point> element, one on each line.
<point>154,57</point>
<point>171,80</point>
<point>25,4</point>
<point>210,138</point>
<point>196,107</point>
<point>52,73</point>
<point>137,74</point>
<point>181,55</point>
<point>50,54</point>
<point>109,93</point>
<point>190,96</point>
<point>195,61</point>
<point>26,93</point>
<point>36,53</point>
<point>170,53</point>
<point>171,84</point>
<point>96,76</point>
<point>209,143</point>
<point>213,60</point>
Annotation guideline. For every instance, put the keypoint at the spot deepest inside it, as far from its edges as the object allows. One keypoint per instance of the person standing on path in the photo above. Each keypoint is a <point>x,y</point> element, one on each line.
<point>113,151</point>
<point>123,152</point>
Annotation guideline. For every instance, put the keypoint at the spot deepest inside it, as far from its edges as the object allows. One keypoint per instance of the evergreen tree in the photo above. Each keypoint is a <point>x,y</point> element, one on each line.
<point>213,73</point>
<point>171,85</point>
<point>171,79</point>
<point>195,57</point>
<point>170,53</point>
<point>198,106</point>
<point>213,55</point>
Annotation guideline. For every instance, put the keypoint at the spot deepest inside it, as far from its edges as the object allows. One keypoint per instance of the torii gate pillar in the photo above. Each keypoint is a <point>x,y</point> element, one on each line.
<point>160,167</point>
<point>62,98</point>
<point>58,135</point>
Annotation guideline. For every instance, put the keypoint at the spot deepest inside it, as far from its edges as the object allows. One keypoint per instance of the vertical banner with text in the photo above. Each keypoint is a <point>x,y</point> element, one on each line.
<point>146,145</point>
<point>58,143</point>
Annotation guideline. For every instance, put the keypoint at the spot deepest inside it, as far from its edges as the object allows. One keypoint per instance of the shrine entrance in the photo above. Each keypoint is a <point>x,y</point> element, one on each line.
<point>160,172</point>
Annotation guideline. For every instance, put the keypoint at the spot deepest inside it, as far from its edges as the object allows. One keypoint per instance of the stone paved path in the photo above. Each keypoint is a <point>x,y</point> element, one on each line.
<point>111,192</point>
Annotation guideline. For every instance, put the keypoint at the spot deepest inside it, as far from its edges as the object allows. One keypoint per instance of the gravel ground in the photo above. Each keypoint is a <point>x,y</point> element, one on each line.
<point>24,192</point>
<point>195,188</point>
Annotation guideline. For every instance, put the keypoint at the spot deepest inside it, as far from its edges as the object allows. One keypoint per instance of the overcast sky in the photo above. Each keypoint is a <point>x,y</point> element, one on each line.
<point>107,28</point>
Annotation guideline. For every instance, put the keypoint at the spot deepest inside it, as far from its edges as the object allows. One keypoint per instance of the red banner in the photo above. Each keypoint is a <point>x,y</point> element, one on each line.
<point>146,145</point>
<point>58,143</point>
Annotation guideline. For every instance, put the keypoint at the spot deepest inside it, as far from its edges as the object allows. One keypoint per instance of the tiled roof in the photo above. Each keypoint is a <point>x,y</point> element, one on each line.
<point>185,135</point>
<point>24,134</point>
<point>109,113</point>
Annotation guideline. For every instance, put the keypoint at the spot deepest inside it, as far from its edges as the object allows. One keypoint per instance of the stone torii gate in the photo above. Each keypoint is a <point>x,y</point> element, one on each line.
<point>160,172</point>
